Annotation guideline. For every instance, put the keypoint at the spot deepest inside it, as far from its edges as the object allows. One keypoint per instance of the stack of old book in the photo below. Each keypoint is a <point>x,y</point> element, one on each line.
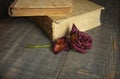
<point>56,17</point>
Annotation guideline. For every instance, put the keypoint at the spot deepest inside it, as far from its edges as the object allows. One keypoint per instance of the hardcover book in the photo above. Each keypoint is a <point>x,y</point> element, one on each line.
<point>40,7</point>
<point>85,15</point>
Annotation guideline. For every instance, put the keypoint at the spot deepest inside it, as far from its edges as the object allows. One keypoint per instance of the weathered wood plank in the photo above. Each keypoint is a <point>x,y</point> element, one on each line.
<point>97,61</point>
<point>12,33</point>
<point>5,21</point>
<point>100,62</point>
<point>23,63</point>
<point>17,62</point>
<point>116,21</point>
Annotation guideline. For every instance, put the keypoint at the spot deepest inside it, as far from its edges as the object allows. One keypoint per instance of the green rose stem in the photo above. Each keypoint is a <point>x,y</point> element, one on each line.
<point>38,46</point>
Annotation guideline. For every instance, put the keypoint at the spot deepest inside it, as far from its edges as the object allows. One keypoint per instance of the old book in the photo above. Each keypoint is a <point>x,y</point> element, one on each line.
<point>85,15</point>
<point>40,7</point>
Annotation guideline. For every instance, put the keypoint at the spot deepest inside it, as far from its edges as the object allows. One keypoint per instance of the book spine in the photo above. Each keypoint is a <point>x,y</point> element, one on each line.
<point>11,7</point>
<point>45,23</point>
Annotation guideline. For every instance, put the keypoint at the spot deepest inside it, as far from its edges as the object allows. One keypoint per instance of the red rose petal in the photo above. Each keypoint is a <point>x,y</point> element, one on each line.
<point>80,41</point>
<point>78,48</point>
<point>60,45</point>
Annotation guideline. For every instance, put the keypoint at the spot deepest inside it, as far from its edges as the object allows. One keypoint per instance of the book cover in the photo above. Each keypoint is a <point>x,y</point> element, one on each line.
<point>85,15</point>
<point>40,7</point>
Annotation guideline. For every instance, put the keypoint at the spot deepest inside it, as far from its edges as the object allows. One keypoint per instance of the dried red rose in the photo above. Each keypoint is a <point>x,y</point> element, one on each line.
<point>60,45</point>
<point>80,40</point>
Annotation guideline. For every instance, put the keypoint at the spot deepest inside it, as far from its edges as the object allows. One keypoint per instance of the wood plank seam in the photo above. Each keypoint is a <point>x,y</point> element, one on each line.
<point>111,74</point>
<point>62,65</point>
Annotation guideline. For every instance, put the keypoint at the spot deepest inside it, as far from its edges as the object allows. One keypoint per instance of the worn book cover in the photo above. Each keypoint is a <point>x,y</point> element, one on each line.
<point>86,16</point>
<point>40,7</point>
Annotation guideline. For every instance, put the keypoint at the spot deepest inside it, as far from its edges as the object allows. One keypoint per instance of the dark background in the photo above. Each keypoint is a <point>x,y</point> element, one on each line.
<point>4,4</point>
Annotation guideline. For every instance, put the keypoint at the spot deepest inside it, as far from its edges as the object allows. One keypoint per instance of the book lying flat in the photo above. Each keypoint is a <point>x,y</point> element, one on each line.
<point>40,7</point>
<point>85,15</point>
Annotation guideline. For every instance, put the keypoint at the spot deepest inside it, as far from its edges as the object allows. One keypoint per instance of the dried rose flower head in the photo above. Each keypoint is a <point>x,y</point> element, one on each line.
<point>60,45</point>
<point>80,40</point>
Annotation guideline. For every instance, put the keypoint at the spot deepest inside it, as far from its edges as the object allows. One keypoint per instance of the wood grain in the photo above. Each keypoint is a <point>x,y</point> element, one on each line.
<point>101,62</point>
<point>18,62</point>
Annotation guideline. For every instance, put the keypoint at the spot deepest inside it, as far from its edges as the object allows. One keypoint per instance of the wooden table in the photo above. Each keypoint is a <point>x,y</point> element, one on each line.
<point>101,62</point>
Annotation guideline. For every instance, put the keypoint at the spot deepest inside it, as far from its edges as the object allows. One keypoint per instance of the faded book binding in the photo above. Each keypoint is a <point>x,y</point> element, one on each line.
<point>85,16</point>
<point>40,8</point>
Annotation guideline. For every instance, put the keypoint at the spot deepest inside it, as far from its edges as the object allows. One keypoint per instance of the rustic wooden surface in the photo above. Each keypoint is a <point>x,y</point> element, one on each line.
<point>101,62</point>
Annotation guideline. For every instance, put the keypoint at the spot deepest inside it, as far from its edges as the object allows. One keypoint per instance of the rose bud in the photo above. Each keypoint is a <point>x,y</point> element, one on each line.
<point>60,45</point>
<point>80,40</point>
